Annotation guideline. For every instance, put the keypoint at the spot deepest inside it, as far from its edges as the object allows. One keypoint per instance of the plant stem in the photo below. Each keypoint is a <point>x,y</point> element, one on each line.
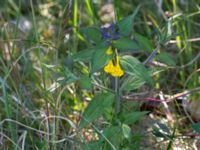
<point>117,96</point>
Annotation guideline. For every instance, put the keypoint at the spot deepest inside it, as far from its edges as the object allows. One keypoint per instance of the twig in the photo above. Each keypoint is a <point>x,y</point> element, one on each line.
<point>175,67</point>
<point>171,98</point>
<point>158,3</point>
<point>152,55</point>
<point>103,87</point>
<point>189,40</point>
<point>9,139</point>
<point>166,107</point>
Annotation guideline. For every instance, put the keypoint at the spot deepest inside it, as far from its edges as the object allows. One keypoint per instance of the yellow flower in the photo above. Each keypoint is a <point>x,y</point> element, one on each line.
<point>109,51</point>
<point>114,70</point>
<point>109,67</point>
<point>117,71</point>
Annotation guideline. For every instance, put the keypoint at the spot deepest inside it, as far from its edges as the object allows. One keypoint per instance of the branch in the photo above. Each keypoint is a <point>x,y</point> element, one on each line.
<point>170,98</point>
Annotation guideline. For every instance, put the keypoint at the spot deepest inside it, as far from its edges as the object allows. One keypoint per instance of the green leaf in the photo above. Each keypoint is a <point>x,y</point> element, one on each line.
<point>113,135</point>
<point>134,116</point>
<point>84,55</point>
<point>144,43</point>
<point>93,145</point>
<point>171,139</point>
<point>96,108</point>
<point>196,127</point>
<point>91,34</point>
<point>69,77</point>
<point>126,44</point>
<point>165,58</point>
<point>126,131</point>
<point>109,132</point>
<point>64,77</point>
<point>85,82</point>
<point>133,67</point>
<point>131,83</point>
<point>126,24</point>
<point>99,59</point>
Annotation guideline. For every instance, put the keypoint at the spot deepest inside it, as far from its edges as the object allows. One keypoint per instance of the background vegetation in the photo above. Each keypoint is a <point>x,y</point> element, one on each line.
<point>47,89</point>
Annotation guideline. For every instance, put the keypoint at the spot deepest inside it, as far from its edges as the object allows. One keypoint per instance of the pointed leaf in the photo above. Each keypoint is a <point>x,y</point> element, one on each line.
<point>134,116</point>
<point>126,24</point>
<point>144,43</point>
<point>126,44</point>
<point>126,131</point>
<point>84,55</point>
<point>131,83</point>
<point>91,33</point>
<point>113,135</point>
<point>99,59</point>
<point>165,58</point>
<point>85,82</point>
<point>109,132</point>
<point>69,77</point>
<point>96,108</point>
<point>133,67</point>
